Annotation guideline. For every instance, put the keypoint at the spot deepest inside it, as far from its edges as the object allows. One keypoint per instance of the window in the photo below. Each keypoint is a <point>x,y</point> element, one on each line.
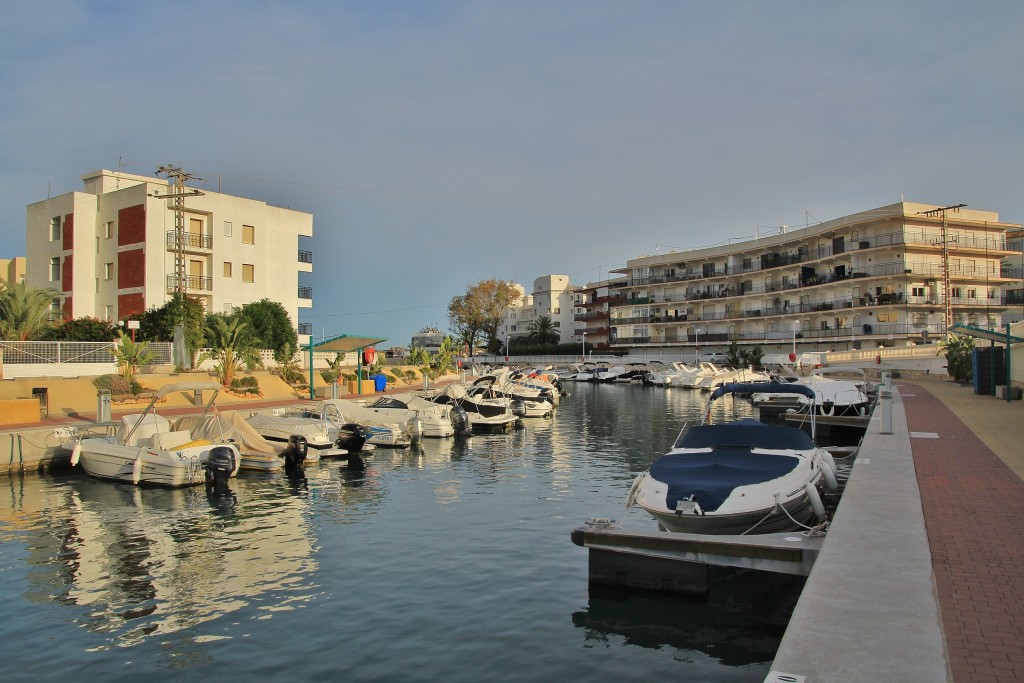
<point>108,312</point>
<point>248,234</point>
<point>248,273</point>
<point>55,308</point>
<point>228,228</point>
<point>955,292</point>
<point>97,285</point>
<point>557,310</point>
<point>972,294</point>
<point>556,324</point>
<point>108,271</point>
<point>55,228</point>
<point>227,269</point>
<point>55,269</point>
<point>917,291</point>
<point>108,229</point>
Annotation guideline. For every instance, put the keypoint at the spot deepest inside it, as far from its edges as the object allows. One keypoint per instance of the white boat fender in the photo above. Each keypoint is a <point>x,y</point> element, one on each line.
<point>829,471</point>
<point>631,498</point>
<point>137,469</point>
<point>76,453</point>
<point>815,501</point>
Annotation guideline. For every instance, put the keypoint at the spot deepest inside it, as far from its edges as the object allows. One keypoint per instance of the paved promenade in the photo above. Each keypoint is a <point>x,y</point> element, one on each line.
<point>969,456</point>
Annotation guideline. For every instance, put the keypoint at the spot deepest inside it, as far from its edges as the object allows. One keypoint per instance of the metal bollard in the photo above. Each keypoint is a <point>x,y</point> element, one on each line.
<point>887,380</point>
<point>885,398</point>
<point>103,413</point>
<point>334,389</point>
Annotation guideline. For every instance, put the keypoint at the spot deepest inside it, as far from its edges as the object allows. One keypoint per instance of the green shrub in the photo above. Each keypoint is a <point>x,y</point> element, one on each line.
<point>410,375</point>
<point>329,376</point>
<point>245,385</point>
<point>349,376</point>
<point>116,385</point>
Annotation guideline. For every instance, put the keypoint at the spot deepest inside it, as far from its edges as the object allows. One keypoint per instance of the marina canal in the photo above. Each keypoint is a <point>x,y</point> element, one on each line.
<point>451,561</point>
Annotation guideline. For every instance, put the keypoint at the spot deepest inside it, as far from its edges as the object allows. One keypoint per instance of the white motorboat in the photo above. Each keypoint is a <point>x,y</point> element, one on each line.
<point>415,415</point>
<point>832,397</point>
<point>146,450</point>
<point>485,410</point>
<point>323,424</point>
<point>737,477</point>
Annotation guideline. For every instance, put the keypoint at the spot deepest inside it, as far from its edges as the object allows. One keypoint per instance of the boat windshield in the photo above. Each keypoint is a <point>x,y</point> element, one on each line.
<point>747,433</point>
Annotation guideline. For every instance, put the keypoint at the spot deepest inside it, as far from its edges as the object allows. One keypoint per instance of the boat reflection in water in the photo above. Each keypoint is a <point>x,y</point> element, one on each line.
<point>148,561</point>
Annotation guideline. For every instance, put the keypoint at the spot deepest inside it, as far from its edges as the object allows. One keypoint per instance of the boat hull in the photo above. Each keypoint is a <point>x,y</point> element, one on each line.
<point>798,514</point>
<point>184,467</point>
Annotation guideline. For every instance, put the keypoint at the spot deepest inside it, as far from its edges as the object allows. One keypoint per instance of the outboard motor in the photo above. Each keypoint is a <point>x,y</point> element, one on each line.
<point>460,420</point>
<point>519,408</point>
<point>219,465</point>
<point>295,453</point>
<point>351,437</point>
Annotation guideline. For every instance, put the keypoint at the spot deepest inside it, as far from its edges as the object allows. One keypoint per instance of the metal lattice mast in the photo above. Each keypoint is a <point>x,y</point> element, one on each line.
<point>178,196</point>
<point>947,303</point>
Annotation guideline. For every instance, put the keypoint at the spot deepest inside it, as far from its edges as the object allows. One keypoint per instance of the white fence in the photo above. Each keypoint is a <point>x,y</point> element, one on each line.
<point>65,359</point>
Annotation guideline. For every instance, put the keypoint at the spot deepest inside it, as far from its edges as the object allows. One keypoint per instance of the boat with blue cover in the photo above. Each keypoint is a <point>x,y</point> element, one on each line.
<point>737,477</point>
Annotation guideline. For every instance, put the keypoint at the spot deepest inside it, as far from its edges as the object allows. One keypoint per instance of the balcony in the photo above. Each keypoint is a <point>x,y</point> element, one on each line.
<point>305,256</point>
<point>306,328</point>
<point>193,283</point>
<point>305,292</point>
<point>192,240</point>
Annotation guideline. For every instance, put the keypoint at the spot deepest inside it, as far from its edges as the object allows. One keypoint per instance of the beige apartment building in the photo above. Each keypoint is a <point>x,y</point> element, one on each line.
<point>12,270</point>
<point>892,276</point>
<point>114,249</point>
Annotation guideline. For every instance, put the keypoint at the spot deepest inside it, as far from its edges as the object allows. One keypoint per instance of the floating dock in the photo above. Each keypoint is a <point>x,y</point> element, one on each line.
<point>679,563</point>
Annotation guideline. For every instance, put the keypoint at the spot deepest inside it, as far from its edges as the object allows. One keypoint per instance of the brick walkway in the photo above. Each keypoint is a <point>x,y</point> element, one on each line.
<point>974,511</point>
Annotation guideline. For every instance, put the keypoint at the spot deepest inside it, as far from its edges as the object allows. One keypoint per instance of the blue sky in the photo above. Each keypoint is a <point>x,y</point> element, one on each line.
<point>441,143</point>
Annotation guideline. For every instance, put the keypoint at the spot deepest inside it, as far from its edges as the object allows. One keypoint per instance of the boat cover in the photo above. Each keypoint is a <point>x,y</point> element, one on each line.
<point>761,388</point>
<point>710,477</point>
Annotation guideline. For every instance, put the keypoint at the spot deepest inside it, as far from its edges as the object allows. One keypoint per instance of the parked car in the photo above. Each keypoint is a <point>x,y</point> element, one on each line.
<point>715,357</point>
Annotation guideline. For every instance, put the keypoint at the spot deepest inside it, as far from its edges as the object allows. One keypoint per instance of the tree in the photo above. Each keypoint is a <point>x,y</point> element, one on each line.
<point>480,311</point>
<point>24,312</point>
<point>418,356</point>
<point>959,350</point>
<point>270,326</point>
<point>229,349</point>
<point>445,354</point>
<point>130,355</point>
<point>157,324</point>
<point>543,330</point>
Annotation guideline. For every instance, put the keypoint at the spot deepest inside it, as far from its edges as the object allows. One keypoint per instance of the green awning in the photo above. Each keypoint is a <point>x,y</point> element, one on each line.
<point>344,343</point>
<point>997,336</point>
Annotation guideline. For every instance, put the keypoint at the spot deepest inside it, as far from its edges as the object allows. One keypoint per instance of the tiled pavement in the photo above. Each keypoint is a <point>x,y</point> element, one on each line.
<point>973,506</point>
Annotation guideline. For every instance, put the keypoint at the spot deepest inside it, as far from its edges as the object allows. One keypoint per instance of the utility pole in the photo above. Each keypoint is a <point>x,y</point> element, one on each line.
<point>178,195</point>
<point>944,240</point>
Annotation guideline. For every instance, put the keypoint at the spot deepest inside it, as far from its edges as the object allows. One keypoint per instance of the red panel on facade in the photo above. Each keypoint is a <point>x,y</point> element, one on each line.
<point>131,225</point>
<point>65,273</point>
<point>67,312</point>
<point>68,233</point>
<point>130,304</point>
<point>131,268</point>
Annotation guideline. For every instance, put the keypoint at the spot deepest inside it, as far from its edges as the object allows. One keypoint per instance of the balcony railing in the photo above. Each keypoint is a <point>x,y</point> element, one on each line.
<point>305,292</point>
<point>192,282</point>
<point>306,328</point>
<point>192,240</point>
<point>305,256</point>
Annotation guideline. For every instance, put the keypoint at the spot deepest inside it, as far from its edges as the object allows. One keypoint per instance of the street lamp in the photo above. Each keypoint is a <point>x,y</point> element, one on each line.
<point>696,336</point>
<point>795,324</point>
<point>583,359</point>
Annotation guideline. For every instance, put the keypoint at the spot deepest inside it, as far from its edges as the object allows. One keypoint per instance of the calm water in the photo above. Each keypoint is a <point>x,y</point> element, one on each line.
<point>452,562</point>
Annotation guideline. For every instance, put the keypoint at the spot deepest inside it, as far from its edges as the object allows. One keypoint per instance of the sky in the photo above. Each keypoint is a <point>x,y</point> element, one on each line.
<point>441,143</point>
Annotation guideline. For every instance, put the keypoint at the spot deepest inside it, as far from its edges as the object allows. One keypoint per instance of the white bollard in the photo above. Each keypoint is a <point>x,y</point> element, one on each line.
<point>885,398</point>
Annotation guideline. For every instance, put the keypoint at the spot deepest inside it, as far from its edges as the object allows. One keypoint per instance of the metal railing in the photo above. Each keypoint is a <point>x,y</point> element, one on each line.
<point>305,292</point>
<point>193,282</point>
<point>191,240</point>
<point>63,352</point>
<point>305,256</point>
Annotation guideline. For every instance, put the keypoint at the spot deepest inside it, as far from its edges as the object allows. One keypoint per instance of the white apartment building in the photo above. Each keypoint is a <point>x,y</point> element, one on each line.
<point>552,296</point>
<point>896,275</point>
<point>111,251</point>
<point>592,312</point>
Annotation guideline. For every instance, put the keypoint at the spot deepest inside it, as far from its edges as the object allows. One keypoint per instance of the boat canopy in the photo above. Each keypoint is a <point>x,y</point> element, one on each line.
<point>761,387</point>
<point>188,386</point>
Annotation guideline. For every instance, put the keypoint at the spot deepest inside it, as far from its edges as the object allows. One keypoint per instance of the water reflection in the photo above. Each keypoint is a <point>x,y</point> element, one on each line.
<point>738,624</point>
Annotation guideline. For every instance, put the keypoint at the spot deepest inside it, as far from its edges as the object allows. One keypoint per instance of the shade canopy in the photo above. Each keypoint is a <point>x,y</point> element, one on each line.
<point>345,343</point>
<point>981,333</point>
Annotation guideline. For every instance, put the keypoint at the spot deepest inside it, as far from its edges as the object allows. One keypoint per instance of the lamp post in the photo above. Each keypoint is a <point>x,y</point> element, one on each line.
<point>584,356</point>
<point>696,337</point>
<point>906,302</point>
<point>795,324</point>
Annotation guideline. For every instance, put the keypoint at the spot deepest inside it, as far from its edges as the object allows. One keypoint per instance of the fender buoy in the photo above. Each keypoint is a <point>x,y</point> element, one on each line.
<point>631,498</point>
<point>76,453</point>
<point>828,471</point>
<point>828,408</point>
<point>815,501</point>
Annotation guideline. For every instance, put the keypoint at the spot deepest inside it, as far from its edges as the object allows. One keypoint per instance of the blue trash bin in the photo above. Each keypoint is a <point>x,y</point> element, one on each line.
<point>380,382</point>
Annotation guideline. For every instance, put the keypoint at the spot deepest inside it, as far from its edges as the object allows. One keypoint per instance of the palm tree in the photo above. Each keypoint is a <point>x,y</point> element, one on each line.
<point>129,355</point>
<point>543,331</point>
<point>24,312</point>
<point>229,349</point>
<point>959,350</point>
